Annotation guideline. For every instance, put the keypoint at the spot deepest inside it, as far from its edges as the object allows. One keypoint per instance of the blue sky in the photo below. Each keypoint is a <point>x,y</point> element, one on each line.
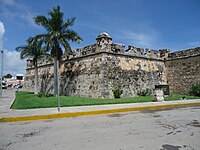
<point>156,24</point>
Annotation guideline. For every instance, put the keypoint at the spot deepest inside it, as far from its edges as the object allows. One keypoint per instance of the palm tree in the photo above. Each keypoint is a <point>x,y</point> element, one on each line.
<point>33,50</point>
<point>57,37</point>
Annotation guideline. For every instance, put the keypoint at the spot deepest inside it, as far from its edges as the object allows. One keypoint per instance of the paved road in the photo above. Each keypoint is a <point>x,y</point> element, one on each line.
<point>176,129</point>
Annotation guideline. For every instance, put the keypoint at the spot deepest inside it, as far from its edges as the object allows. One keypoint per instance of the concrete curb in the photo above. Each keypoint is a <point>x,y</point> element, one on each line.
<point>95,112</point>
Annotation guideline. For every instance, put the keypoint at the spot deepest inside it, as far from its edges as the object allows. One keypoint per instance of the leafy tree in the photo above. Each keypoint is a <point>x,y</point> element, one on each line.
<point>7,76</point>
<point>33,50</point>
<point>57,37</point>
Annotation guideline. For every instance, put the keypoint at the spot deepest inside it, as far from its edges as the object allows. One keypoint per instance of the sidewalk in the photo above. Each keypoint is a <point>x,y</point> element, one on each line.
<point>6,101</point>
<point>9,115</point>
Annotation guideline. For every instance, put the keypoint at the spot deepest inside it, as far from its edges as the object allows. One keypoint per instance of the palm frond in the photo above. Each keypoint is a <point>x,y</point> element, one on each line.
<point>69,22</point>
<point>56,19</point>
<point>57,35</point>
<point>33,49</point>
<point>66,45</point>
<point>43,21</point>
<point>72,35</point>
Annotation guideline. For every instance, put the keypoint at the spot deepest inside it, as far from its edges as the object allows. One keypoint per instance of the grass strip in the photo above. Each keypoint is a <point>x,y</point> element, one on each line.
<point>28,100</point>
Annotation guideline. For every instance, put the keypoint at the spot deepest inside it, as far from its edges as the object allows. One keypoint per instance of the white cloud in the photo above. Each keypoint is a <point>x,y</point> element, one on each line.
<point>139,39</point>
<point>2,31</point>
<point>11,60</point>
<point>13,9</point>
<point>12,63</point>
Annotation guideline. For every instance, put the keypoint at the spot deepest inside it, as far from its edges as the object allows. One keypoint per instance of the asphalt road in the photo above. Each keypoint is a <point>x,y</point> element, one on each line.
<point>175,129</point>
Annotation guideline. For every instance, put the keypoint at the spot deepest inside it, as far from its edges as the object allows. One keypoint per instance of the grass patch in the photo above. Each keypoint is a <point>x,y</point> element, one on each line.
<point>179,97</point>
<point>27,100</point>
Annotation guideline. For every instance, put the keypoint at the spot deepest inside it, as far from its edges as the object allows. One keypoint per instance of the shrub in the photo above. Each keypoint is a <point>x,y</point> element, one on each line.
<point>117,92</point>
<point>144,92</point>
<point>195,89</point>
<point>44,94</point>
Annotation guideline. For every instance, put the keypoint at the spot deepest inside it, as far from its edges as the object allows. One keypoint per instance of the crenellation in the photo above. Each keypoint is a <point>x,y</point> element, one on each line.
<point>87,50</point>
<point>44,61</point>
<point>132,50</point>
<point>148,53</point>
<point>164,53</point>
<point>185,53</point>
<point>152,53</point>
<point>117,48</point>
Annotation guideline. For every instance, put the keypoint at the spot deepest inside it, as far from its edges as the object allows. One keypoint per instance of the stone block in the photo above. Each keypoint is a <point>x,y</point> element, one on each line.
<point>159,95</point>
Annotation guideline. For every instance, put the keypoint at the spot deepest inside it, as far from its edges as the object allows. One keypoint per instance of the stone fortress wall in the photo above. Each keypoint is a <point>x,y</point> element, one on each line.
<point>183,69</point>
<point>95,70</point>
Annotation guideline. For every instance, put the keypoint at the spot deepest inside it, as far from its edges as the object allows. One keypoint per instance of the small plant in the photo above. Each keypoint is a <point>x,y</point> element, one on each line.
<point>144,92</point>
<point>117,92</point>
<point>195,89</point>
<point>44,94</point>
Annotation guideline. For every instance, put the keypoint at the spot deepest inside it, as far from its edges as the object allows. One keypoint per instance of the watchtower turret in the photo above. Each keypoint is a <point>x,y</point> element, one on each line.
<point>104,41</point>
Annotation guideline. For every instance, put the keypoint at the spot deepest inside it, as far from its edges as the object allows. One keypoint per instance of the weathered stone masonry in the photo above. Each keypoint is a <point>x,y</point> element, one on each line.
<point>183,70</point>
<point>93,71</point>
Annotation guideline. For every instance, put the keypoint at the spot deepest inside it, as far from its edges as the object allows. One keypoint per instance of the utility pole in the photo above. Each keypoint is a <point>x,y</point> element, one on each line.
<point>1,93</point>
<point>58,86</point>
<point>2,30</point>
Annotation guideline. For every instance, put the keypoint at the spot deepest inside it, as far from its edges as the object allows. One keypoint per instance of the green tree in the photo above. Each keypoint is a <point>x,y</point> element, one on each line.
<point>57,37</point>
<point>195,89</point>
<point>33,50</point>
<point>7,76</point>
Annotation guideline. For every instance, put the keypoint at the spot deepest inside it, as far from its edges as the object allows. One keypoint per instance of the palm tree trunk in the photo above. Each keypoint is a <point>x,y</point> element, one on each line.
<point>55,76</point>
<point>36,80</point>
